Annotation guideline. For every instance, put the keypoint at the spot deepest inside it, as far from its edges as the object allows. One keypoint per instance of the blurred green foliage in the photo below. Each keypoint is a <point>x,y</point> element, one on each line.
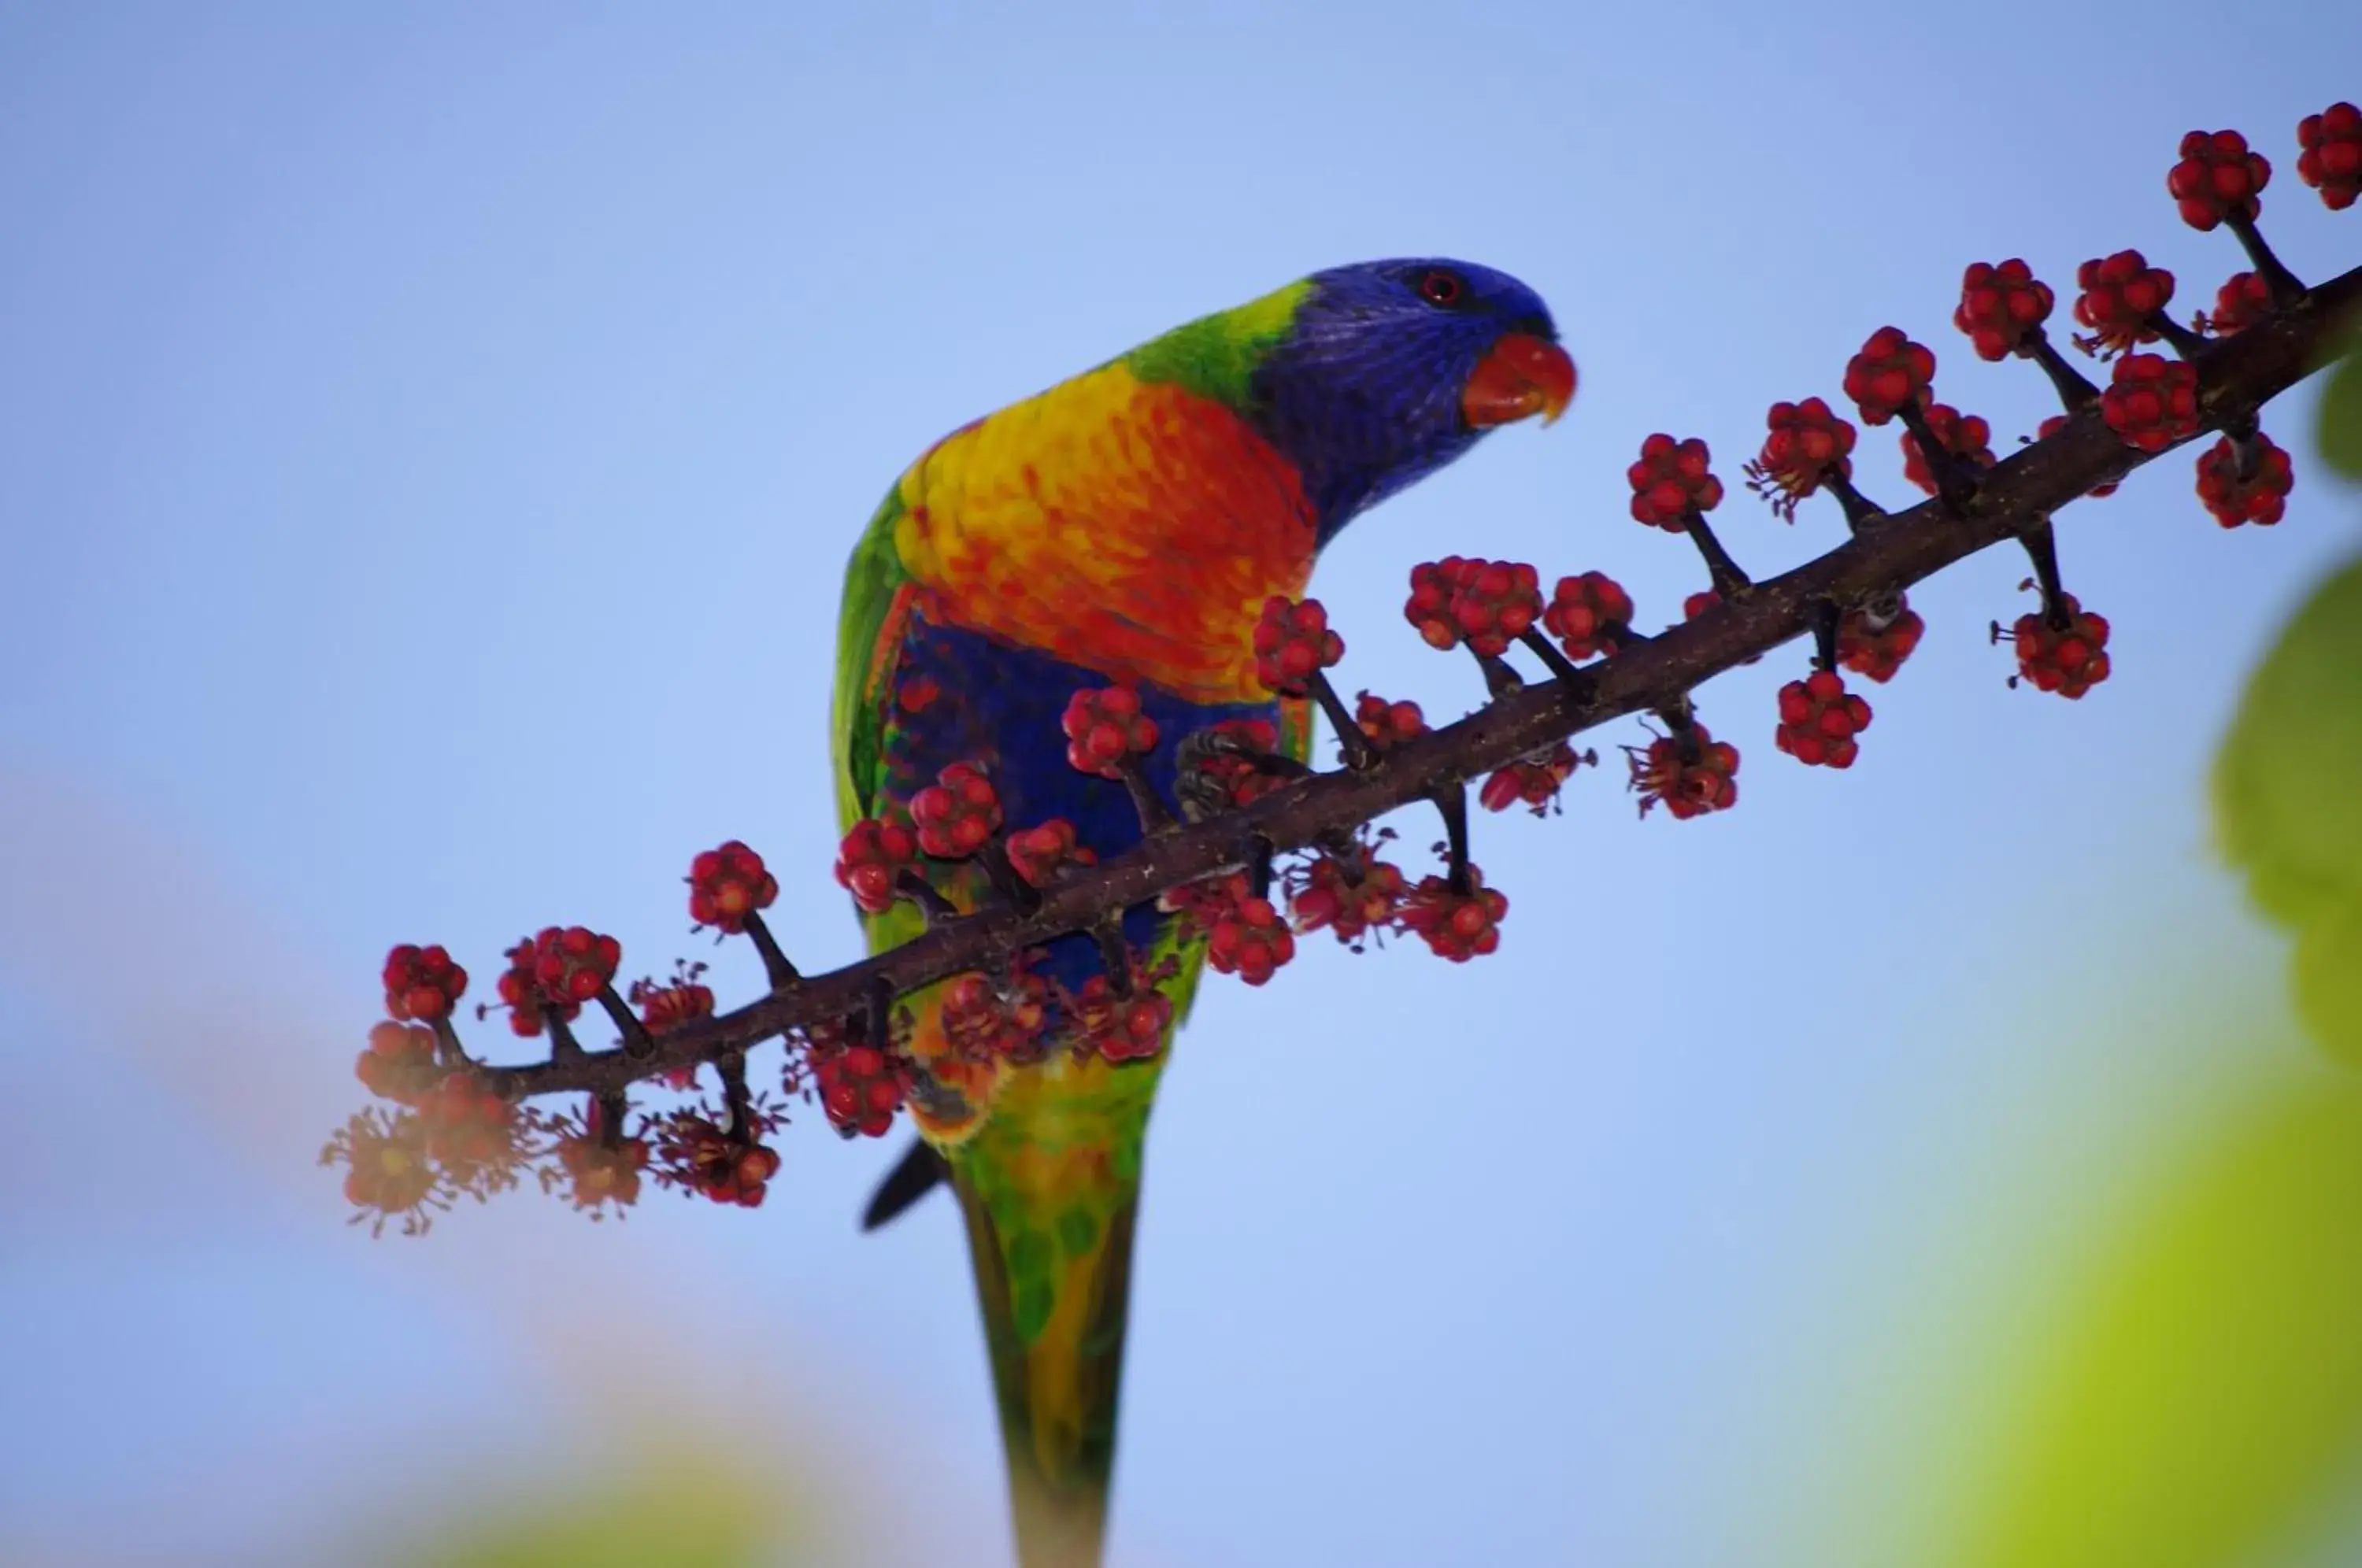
<point>676,1515</point>
<point>2288,782</point>
<point>2197,1401</point>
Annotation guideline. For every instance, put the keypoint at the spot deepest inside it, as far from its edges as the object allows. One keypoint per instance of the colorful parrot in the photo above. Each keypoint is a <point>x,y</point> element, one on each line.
<point>1123,528</point>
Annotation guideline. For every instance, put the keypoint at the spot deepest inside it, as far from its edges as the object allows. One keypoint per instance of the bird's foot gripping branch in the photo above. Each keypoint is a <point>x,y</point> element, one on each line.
<point>1259,850</point>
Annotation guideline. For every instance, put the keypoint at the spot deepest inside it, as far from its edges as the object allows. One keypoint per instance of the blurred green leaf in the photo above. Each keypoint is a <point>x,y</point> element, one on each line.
<point>2339,436</point>
<point>2288,782</point>
<point>2198,1403</point>
<point>683,1517</point>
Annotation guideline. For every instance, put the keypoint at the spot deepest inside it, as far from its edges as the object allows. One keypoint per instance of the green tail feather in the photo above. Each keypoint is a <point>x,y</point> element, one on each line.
<point>1051,1189</point>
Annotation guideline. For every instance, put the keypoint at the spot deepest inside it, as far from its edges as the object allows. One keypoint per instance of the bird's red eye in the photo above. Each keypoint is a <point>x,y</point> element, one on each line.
<point>1437,287</point>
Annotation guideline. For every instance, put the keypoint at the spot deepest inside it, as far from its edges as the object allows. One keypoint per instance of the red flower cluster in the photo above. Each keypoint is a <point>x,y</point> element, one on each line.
<point>1820,719</point>
<point>871,859</point>
<point>1121,1029</point>
<point>1042,854</point>
<point>1388,723</point>
<point>1533,780</point>
<point>728,885</point>
<point>957,812</point>
<point>859,1088</point>
<point>471,1131</point>
<point>667,1007</point>
<point>598,1171</point>
<point>1250,939</point>
<point>2152,403</point>
<point>2121,292</point>
<point>2217,179</point>
<point>983,1025</point>
<point>2070,661</point>
<point>2261,497</point>
<point>2331,159</point>
<point>400,1062</point>
<point>1325,900</point>
<point>1808,444</point>
<point>1487,604</point>
<point>1966,435</point>
<point>422,983</point>
<point>1589,614</point>
<point>701,1157</point>
<point>1458,926</point>
<point>2244,300</point>
<point>555,973</point>
<point>1292,642</point>
<point>1105,727</point>
<point>1890,374</point>
<point>1686,789</point>
<point>1671,480</point>
<point>1876,646</point>
<point>2002,306</point>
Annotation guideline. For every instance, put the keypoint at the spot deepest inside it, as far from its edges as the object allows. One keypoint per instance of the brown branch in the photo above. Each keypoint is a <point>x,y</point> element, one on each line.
<point>2013,500</point>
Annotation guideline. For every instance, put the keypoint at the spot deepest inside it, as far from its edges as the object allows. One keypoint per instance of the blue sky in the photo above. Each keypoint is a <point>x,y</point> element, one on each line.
<point>429,449</point>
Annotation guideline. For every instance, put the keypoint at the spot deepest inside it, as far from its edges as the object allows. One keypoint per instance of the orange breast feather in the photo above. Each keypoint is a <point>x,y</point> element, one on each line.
<point>1129,528</point>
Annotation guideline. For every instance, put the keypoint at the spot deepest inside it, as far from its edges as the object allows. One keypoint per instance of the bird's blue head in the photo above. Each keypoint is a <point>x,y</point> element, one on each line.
<point>1391,370</point>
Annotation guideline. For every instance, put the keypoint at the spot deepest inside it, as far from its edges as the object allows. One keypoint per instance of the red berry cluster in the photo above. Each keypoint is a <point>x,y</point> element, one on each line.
<point>2002,306</point>
<point>1388,723</point>
<point>2069,660</point>
<point>555,973</point>
<point>1589,614</point>
<point>1532,781</point>
<point>2260,498</point>
<point>1890,374</point>
<point>1808,443</point>
<point>1121,1029</point>
<point>1686,789</point>
<point>1458,926</point>
<point>728,885</point>
<point>422,983</point>
<point>1820,719</point>
<point>698,1156</point>
<point>2120,294</point>
<point>2217,179</point>
<point>2152,403</point>
<point>1876,646</point>
<point>1250,939</point>
<point>1671,480</point>
<point>1043,853</point>
<point>982,1024</point>
<point>871,858</point>
<point>859,1088</point>
<point>957,812</point>
<point>2244,300</point>
<point>2331,159</point>
<point>1326,899</point>
<point>1106,727</point>
<point>1487,604</point>
<point>400,1062</point>
<point>2058,422</point>
<point>1292,643</point>
<point>1965,435</point>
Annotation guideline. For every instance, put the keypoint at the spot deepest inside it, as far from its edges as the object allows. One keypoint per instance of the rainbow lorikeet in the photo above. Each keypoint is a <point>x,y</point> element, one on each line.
<point>1123,528</point>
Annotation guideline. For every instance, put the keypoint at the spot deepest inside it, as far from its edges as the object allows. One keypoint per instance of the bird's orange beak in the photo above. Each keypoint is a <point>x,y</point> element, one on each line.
<point>1523,375</point>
